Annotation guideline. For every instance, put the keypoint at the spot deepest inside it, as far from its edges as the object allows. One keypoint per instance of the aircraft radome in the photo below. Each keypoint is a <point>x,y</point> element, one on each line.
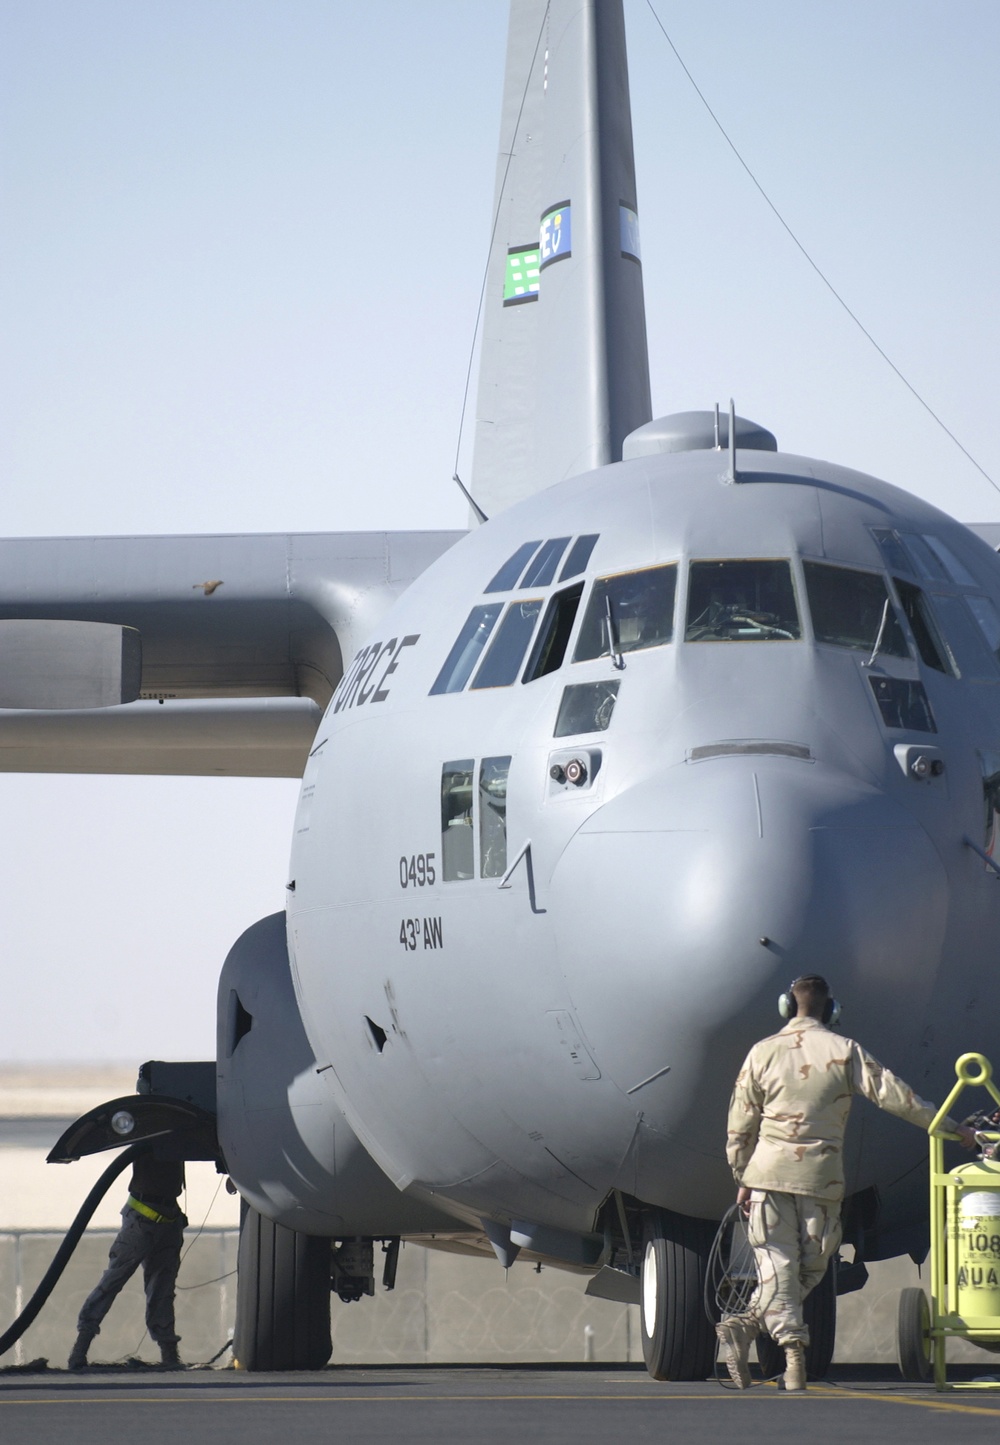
<point>582,790</point>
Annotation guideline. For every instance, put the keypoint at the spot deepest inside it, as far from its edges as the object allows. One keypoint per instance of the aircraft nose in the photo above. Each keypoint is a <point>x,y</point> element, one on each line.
<point>686,904</point>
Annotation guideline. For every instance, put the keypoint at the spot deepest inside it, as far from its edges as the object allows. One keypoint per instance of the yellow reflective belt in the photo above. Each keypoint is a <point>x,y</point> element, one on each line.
<point>141,1208</point>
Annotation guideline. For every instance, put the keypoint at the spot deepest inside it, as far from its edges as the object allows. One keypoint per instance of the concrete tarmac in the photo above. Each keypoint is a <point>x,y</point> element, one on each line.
<point>575,1405</point>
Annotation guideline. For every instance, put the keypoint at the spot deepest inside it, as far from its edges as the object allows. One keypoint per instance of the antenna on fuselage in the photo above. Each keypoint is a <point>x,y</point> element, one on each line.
<point>732,475</point>
<point>470,499</point>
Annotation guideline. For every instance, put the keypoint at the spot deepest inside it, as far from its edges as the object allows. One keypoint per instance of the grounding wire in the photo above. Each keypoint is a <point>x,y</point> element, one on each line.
<point>815,266</point>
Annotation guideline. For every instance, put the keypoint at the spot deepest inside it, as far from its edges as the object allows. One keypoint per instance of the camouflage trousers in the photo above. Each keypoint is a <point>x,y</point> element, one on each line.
<point>157,1247</point>
<point>794,1237</point>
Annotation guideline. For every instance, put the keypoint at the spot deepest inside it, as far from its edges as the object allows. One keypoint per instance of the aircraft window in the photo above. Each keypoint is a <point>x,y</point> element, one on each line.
<point>955,571</point>
<point>542,570</point>
<point>848,608</point>
<point>503,661</point>
<point>965,641</point>
<point>511,570</point>
<point>897,559</point>
<point>642,612</point>
<point>930,643</point>
<point>493,817</point>
<point>923,556</point>
<point>550,649</point>
<point>456,821</point>
<point>903,704</point>
<point>989,763</point>
<point>579,556</point>
<point>467,649</point>
<point>586,708</point>
<point>741,602</point>
<point>988,619</point>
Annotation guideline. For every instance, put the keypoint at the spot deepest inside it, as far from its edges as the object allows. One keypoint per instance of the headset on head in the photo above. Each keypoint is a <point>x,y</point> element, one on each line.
<point>788,1006</point>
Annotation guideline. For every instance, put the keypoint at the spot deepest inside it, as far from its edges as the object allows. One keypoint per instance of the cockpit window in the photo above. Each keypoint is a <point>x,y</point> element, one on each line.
<point>579,556</point>
<point>542,570</point>
<point>511,570</point>
<point>628,612</point>
<point>553,635</point>
<point>903,704</point>
<point>744,601</point>
<point>503,661</point>
<point>468,648</point>
<point>923,555</point>
<point>988,620</point>
<point>930,644</point>
<point>853,609</point>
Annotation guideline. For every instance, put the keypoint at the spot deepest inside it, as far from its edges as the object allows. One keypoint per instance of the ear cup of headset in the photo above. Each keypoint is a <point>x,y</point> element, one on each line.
<point>788,1007</point>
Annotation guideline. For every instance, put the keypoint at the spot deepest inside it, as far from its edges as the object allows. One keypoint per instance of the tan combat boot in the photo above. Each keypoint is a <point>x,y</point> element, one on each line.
<point>795,1368</point>
<point>735,1336</point>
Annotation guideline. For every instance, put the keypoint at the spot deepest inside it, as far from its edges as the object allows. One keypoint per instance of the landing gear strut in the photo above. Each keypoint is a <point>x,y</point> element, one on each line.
<point>678,1341</point>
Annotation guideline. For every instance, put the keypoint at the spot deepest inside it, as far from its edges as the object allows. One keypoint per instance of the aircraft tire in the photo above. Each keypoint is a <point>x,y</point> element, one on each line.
<point>678,1341</point>
<point>913,1341</point>
<point>282,1297</point>
<point>820,1314</point>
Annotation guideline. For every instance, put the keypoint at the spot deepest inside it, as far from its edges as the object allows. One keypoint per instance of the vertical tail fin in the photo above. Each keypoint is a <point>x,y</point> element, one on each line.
<point>564,373</point>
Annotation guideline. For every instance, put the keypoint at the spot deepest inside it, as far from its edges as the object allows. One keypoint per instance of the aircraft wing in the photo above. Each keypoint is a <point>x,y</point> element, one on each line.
<point>231,646</point>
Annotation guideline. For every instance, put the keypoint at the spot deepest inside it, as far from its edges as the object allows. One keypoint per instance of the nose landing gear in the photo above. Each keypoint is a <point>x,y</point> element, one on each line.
<point>678,1341</point>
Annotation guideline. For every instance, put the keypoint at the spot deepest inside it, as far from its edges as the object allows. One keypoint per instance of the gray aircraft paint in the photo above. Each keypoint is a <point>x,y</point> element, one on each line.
<point>564,377</point>
<point>746,791</point>
<point>512,1048</point>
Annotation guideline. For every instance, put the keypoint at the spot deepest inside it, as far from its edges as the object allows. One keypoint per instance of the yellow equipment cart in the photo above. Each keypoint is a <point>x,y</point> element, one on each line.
<point>965,1249</point>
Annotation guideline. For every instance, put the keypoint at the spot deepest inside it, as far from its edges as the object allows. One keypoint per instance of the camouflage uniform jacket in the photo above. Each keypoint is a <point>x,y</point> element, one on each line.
<point>790,1105</point>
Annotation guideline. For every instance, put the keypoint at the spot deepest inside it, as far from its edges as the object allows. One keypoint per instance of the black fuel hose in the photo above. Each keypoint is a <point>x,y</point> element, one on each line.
<point>62,1256</point>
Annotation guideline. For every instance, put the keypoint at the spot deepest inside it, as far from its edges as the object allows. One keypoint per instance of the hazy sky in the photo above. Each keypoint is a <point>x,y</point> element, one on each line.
<point>241,246</point>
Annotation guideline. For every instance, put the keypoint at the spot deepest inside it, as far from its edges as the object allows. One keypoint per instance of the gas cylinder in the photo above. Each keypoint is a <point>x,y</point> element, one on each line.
<point>975,1229</point>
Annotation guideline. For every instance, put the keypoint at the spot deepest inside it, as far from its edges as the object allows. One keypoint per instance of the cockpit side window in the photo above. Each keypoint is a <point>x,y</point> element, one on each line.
<point>988,620</point>
<point>553,637</point>
<point>628,612</point>
<point>741,601</point>
<point>467,649</point>
<point>853,609</point>
<point>502,662</point>
<point>926,633</point>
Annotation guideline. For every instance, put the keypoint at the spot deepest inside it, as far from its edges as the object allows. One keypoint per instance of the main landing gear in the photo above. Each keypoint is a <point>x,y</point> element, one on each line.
<point>282,1297</point>
<point>678,1340</point>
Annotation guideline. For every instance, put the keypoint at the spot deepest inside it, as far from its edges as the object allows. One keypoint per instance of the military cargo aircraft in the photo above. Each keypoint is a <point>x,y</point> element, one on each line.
<point>680,717</point>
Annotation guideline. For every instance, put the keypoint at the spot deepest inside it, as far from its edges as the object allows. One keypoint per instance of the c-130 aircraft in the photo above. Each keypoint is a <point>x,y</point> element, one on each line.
<point>685,717</point>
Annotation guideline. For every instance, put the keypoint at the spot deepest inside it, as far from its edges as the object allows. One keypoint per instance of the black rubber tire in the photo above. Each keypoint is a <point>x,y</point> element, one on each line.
<point>282,1297</point>
<point>820,1314</point>
<point>678,1341</point>
<point>913,1340</point>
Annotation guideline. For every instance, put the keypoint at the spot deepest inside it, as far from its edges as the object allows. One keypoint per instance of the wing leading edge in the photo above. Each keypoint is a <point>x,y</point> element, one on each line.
<point>243,640</point>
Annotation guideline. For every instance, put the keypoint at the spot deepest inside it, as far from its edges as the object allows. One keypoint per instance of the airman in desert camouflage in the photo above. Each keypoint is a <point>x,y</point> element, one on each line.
<point>787,1118</point>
